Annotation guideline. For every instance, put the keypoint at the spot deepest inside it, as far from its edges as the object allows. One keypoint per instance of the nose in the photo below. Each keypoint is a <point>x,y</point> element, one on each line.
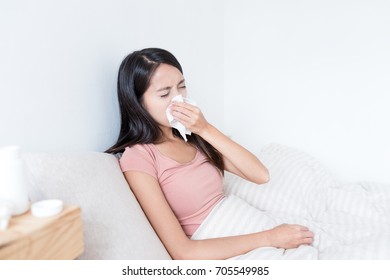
<point>174,94</point>
<point>177,91</point>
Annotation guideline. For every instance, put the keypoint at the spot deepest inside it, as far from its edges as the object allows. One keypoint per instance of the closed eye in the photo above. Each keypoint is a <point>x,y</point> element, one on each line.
<point>182,84</point>
<point>164,95</point>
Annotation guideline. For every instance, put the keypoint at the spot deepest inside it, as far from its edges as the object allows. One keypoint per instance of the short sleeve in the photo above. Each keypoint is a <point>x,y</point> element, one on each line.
<point>138,158</point>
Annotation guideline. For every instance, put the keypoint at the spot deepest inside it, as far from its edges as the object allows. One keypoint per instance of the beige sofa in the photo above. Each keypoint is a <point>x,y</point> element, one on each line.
<point>301,189</point>
<point>114,225</point>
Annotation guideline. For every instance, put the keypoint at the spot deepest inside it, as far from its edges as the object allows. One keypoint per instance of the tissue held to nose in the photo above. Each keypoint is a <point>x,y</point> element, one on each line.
<point>175,123</point>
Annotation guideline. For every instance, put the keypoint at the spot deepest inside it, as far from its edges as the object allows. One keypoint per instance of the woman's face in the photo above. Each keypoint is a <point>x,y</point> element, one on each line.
<point>166,83</point>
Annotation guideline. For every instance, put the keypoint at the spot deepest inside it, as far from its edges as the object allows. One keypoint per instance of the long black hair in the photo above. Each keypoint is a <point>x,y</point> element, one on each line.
<point>137,125</point>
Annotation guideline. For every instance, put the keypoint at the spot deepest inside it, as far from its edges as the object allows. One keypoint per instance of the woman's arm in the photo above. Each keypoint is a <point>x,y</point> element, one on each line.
<point>155,206</point>
<point>237,159</point>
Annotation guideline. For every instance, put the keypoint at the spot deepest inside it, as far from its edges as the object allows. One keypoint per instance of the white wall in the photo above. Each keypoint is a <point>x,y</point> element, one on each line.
<point>309,74</point>
<point>313,75</point>
<point>59,61</point>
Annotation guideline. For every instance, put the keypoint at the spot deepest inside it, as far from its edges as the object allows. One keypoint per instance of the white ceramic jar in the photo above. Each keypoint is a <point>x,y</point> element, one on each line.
<point>13,184</point>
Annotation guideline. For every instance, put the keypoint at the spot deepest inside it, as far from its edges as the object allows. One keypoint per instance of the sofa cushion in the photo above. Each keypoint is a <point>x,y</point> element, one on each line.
<point>115,226</point>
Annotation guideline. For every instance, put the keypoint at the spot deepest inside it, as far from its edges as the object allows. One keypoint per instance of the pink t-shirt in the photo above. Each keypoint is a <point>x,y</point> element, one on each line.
<point>192,189</point>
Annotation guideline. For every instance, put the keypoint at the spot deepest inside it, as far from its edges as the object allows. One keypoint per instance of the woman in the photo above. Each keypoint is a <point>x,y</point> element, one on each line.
<point>178,183</point>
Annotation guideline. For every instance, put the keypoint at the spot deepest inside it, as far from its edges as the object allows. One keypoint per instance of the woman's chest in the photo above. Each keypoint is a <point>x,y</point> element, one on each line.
<point>188,188</point>
<point>181,154</point>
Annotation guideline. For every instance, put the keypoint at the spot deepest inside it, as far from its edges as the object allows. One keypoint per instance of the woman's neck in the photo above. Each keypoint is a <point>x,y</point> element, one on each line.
<point>167,135</point>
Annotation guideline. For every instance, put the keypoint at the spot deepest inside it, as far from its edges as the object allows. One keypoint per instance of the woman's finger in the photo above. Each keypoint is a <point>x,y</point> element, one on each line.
<point>188,106</point>
<point>180,112</point>
<point>307,240</point>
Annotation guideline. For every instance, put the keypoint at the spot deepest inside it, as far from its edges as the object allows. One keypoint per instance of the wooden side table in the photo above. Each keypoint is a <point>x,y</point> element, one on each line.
<point>53,238</point>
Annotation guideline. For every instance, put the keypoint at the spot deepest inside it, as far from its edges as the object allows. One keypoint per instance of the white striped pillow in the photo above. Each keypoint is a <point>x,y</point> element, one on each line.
<point>297,187</point>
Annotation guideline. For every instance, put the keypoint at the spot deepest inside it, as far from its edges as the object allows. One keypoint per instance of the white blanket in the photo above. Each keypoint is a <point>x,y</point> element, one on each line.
<point>350,221</point>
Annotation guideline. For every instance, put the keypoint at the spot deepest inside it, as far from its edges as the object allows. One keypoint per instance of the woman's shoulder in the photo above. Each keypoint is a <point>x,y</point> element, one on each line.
<point>138,157</point>
<point>138,149</point>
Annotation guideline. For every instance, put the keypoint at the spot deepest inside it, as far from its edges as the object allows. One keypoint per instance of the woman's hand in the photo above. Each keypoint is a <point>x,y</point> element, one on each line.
<point>290,236</point>
<point>190,116</point>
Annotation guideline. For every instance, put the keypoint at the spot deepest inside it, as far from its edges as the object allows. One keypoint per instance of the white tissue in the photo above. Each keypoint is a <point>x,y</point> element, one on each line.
<point>175,123</point>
